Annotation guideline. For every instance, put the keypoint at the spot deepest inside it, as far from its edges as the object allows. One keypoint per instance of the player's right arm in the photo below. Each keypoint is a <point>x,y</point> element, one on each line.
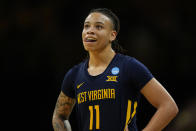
<point>62,111</point>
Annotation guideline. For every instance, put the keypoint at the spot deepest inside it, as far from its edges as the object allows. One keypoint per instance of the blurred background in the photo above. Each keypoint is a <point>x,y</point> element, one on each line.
<point>41,40</point>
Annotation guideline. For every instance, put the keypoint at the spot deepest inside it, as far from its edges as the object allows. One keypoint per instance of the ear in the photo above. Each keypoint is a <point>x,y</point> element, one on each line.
<point>113,35</point>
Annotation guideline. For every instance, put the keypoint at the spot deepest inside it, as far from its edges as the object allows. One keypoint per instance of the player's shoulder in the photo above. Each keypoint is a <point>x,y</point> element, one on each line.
<point>130,62</point>
<point>126,58</point>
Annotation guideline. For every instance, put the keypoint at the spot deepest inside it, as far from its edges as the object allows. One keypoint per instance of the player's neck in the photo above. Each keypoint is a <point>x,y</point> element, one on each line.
<point>101,58</point>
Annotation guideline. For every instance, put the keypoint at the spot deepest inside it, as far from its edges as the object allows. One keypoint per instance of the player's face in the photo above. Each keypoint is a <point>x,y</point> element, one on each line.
<point>97,32</point>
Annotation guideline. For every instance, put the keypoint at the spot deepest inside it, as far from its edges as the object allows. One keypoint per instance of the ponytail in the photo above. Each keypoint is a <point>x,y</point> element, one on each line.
<point>117,47</point>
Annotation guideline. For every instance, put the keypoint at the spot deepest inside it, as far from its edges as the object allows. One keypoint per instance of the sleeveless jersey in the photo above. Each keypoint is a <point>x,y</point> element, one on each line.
<point>107,102</point>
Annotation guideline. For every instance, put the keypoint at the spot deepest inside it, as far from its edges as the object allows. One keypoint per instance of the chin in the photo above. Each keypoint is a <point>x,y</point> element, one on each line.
<point>88,47</point>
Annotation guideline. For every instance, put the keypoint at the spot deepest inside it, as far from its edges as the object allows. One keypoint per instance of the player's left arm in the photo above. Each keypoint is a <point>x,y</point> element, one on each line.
<point>166,107</point>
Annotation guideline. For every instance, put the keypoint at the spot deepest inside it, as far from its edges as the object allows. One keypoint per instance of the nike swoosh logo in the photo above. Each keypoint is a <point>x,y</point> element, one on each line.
<point>78,86</point>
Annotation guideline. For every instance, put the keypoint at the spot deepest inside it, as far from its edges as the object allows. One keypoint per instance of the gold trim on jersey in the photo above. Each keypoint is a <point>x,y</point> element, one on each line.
<point>130,116</point>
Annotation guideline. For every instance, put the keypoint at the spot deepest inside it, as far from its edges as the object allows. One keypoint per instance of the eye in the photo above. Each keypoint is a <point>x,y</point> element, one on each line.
<point>99,27</point>
<point>86,26</point>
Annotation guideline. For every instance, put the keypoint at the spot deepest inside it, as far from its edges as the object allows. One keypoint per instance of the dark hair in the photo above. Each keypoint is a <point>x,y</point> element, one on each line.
<point>116,26</point>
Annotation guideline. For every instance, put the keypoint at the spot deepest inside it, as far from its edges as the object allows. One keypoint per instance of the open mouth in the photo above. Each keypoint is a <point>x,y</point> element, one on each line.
<point>90,39</point>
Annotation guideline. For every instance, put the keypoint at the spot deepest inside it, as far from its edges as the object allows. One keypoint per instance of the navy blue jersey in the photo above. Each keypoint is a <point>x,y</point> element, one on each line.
<point>107,102</point>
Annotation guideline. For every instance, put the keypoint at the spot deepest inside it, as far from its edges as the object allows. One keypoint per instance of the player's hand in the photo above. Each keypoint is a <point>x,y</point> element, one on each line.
<point>126,129</point>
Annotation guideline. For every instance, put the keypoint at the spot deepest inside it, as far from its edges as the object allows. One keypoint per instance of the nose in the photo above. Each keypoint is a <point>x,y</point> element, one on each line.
<point>91,31</point>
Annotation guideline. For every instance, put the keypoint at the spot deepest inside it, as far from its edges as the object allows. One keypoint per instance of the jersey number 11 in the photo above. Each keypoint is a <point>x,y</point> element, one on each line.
<point>96,107</point>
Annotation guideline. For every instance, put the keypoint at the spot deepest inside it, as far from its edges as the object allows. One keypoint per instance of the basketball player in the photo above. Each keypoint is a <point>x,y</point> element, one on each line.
<point>105,88</point>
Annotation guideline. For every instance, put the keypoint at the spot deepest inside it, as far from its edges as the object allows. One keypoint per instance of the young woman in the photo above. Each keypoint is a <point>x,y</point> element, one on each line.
<point>106,87</point>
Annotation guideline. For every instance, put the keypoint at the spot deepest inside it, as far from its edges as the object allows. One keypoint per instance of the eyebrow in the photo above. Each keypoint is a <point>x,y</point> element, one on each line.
<point>95,22</point>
